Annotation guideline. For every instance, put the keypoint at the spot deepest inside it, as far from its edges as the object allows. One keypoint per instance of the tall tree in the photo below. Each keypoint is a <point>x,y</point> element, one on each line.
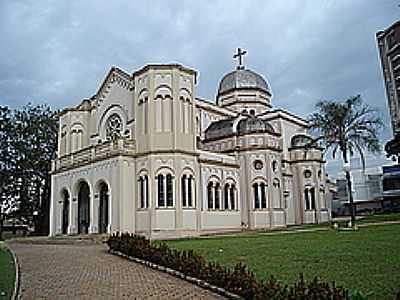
<point>5,164</point>
<point>350,127</point>
<point>28,143</point>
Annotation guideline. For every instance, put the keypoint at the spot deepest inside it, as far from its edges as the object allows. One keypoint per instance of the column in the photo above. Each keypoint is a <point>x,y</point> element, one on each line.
<point>94,212</point>
<point>213,196</point>
<point>229,197</point>
<point>73,217</point>
<point>59,204</point>
<point>164,178</point>
<point>109,211</point>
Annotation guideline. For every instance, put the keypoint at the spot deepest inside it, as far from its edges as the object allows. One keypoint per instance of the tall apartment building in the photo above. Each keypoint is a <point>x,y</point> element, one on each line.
<point>389,49</point>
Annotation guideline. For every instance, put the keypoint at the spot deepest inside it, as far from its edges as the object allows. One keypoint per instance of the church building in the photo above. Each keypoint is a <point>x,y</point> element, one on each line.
<point>145,155</point>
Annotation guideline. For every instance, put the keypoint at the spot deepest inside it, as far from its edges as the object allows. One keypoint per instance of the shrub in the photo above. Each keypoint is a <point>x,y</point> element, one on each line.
<point>238,280</point>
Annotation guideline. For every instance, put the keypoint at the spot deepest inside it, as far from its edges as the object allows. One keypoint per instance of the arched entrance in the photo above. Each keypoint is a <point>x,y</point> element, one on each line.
<point>83,208</point>
<point>103,208</point>
<point>65,211</point>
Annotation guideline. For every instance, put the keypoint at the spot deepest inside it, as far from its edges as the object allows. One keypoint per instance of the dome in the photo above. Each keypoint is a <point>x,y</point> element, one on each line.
<point>301,140</point>
<point>242,79</point>
<point>254,125</point>
<point>224,128</point>
<point>219,129</point>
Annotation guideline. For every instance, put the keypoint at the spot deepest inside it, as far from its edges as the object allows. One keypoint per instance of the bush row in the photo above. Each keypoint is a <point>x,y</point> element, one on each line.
<point>237,280</point>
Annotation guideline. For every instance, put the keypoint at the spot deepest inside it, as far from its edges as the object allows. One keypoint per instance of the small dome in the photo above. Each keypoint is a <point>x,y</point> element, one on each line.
<point>242,79</point>
<point>301,140</point>
<point>226,128</point>
<point>219,129</point>
<point>254,125</point>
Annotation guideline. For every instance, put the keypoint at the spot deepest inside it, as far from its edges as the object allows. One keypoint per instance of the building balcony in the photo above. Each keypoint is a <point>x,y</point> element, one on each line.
<point>93,153</point>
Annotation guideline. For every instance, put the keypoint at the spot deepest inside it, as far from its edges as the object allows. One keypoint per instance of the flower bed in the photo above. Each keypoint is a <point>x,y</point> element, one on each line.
<point>237,280</point>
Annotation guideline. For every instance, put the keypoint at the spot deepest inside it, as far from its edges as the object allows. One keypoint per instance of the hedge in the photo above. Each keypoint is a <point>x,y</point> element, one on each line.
<point>237,280</point>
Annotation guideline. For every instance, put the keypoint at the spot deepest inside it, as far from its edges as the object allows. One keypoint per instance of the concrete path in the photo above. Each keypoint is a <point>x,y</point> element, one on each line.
<point>90,272</point>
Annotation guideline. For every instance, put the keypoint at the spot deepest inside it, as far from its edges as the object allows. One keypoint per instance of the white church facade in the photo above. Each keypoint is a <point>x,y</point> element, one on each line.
<point>144,155</point>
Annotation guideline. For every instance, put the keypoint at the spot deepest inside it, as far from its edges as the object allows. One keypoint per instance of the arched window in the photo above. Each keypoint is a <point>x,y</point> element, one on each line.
<point>144,191</point>
<point>170,193</point>
<point>256,197</point>
<point>309,198</point>
<point>214,195</point>
<point>63,143</point>
<point>312,191</point>
<point>76,139</point>
<point>187,190</point>
<point>210,196</point>
<point>65,211</point>
<point>183,190</point>
<point>144,111</point>
<point>264,203</point>
<point>104,219</point>
<point>226,196</point>
<point>190,191</point>
<point>217,198</point>
<point>161,194</point>
<point>232,197</point>
<point>260,195</point>
<point>229,196</point>
<point>165,192</point>
<point>276,194</point>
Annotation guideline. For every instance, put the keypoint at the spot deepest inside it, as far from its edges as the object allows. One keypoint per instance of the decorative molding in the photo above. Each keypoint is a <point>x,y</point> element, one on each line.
<point>114,76</point>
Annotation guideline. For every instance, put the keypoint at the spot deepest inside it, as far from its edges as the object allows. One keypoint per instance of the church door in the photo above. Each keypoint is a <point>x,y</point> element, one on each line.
<point>65,212</point>
<point>103,208</point>
<point>83,208</point>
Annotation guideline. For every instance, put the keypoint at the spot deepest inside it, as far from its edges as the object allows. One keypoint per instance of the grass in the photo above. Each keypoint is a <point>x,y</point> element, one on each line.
<point>7,273</point>
<point>366,260</point>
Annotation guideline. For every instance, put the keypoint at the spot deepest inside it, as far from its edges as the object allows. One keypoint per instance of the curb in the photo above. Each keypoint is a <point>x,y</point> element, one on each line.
<point>16,292</point>
<point>199,282</point>
<point>15,295</point>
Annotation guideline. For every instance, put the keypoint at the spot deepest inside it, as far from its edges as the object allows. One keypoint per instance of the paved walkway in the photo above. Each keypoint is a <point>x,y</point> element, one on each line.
<point>90,272</point>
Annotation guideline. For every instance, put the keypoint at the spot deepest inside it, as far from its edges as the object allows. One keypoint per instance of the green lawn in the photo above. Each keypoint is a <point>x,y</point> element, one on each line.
<point>367,260</point>
<point>7,274</point>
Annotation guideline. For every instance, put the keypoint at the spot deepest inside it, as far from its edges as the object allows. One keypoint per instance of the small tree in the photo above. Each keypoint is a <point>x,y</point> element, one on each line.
<point>350,127</point>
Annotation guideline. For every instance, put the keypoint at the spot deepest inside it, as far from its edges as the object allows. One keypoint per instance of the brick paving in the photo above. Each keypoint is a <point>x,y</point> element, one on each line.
<point>90,272</point>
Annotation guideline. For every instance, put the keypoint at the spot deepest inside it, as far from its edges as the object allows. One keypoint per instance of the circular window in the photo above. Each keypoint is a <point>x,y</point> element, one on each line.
<point>274,166</point>
<point>307,173</point>
<point>114,126</point>
<point>258,164</point>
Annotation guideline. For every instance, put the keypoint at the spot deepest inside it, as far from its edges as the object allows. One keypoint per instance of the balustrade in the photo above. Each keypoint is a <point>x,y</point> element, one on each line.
<point>95,152</point>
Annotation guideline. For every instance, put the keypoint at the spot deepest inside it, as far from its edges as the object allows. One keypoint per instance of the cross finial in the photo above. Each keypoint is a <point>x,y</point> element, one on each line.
<point>239,55</point>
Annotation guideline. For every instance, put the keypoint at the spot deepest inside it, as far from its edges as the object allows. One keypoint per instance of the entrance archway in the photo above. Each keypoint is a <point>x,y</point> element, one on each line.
<point>83,208</point>
<point>65,211</point>
<point>103,208</point>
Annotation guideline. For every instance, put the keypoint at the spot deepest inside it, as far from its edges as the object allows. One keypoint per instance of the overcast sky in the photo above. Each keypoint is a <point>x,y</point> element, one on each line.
<point>58,52</point>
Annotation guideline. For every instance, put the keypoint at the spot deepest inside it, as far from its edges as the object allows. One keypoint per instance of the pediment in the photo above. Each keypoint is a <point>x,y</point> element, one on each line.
<point>117,77</point>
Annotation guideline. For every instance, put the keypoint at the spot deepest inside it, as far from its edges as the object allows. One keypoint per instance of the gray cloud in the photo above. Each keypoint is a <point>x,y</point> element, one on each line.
<point>59,52</point>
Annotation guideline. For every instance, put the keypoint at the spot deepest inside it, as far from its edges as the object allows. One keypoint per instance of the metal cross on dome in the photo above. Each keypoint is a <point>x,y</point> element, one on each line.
<point>239,55</point>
